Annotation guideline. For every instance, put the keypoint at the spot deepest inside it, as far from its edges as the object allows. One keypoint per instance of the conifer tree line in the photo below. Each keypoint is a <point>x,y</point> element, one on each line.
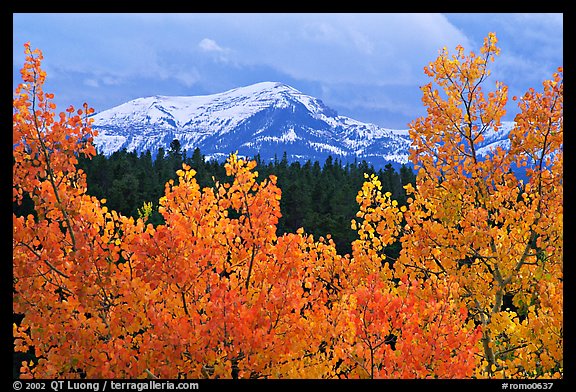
<point>318,197</point>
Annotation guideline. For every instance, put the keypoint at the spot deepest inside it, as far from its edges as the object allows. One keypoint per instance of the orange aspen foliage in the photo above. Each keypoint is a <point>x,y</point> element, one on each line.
<point>64,257</point>
<point>402,326</point>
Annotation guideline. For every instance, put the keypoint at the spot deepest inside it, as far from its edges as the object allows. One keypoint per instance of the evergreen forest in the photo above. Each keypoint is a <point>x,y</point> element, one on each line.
<point>318,197</point>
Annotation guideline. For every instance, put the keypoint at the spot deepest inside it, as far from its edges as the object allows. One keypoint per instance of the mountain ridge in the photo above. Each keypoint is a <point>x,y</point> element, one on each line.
<point>266,119</point>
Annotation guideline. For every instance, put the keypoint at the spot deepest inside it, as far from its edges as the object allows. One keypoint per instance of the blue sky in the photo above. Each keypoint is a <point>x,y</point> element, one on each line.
<point>365,66</point>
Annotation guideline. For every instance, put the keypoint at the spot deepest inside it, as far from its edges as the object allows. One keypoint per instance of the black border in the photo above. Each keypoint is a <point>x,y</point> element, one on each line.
<point>306,384</point>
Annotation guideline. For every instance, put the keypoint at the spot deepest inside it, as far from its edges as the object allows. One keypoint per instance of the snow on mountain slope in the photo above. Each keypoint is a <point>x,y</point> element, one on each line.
<point>496,137</point>
<point>267,118</point>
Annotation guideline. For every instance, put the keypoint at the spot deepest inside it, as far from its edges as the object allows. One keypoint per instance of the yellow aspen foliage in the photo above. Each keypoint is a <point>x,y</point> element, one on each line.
<point>471,218</point>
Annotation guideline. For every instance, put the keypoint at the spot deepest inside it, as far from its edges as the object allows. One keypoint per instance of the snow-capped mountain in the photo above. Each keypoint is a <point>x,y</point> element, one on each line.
<point>266,118</point>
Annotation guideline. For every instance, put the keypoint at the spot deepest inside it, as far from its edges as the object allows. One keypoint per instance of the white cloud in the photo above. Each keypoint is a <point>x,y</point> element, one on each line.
<point>219,53</point>
<point>322,32</point>
<point>97,79</point>
<point>363,43</point>
<point>189,79</point>
<point>91,83</point>
<point>111,80</point>
<point>209,45</point>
